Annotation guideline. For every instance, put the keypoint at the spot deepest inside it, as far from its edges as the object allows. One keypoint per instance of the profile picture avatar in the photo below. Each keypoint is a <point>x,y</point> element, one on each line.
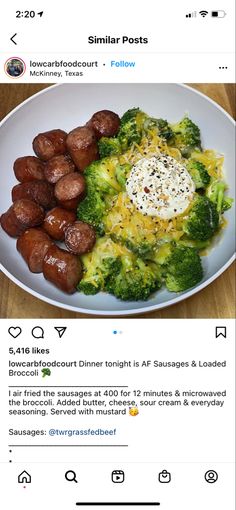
<point>15,67</point>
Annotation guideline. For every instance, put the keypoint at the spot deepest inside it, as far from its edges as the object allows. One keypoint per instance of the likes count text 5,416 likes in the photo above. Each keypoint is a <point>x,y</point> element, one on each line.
<point>118,404</point>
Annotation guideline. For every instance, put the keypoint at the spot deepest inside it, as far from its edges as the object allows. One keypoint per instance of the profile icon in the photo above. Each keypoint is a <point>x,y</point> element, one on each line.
<point>15,67</point>
<point>211,476</point>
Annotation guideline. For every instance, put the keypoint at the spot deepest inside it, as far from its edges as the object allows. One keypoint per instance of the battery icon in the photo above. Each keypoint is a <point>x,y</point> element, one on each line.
<point>218,14</point>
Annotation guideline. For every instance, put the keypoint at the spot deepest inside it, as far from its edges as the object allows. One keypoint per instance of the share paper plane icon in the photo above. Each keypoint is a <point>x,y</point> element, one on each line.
<point>60,331</point>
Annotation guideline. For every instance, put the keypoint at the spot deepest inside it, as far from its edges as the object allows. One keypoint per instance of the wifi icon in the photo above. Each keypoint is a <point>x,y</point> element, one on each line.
<point>203,13</point>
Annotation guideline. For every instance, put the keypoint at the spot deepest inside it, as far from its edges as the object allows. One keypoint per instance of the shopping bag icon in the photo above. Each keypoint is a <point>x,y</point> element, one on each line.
<point>164,476</point>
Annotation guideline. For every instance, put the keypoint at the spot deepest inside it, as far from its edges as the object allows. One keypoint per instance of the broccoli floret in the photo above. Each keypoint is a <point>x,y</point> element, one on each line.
<point>101,186</point>
<point>135,124</point>
<point>129,115</point>
<point>95,275</point>
<point>203,219</point>
<point>179,266</point>
<point>164,129</point>
<point>108,146</point>
<point>183,269</point>
<point>97,265</point>
<point>162,253</point>
<point>92,209</point>
<point>135,281</point>
<point>186,136</point>
<point>129,227</point>
<point>143,249</point>
<point>115,269</point>
<point>216,193</point>
<point>121,173</point>
<point>194,243</point>
<point>131,127</point>
<point>100,176</point>
<point>199,174</point>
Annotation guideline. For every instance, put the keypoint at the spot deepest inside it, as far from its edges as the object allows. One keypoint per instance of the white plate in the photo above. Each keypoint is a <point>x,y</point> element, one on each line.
<point>68,106</point>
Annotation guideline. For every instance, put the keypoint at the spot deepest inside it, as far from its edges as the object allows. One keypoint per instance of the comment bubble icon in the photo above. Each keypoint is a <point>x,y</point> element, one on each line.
<point>37,332</point>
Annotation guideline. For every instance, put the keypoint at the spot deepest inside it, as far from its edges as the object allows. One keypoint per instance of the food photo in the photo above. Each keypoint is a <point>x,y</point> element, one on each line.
<point>116,200</point>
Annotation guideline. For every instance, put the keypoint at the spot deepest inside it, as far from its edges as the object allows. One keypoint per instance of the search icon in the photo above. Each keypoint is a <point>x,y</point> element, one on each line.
<point>70,476</point>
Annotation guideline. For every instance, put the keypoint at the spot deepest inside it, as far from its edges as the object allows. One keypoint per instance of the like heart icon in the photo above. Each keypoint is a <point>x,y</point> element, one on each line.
<point>15,332</point>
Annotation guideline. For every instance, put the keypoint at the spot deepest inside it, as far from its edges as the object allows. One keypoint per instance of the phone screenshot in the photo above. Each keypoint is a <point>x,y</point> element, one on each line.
<point>117,255</point>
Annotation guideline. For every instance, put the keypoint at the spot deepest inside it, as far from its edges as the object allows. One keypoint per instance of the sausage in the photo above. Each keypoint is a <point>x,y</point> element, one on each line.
<point>28,169</point>
<point>49,144</point>
<point>82,146</point>
<point>40,191</point>
<point>62,268</point>
<point>104,123</point>
<point>57,221</point>
<point>33,245</point>
<point>80,238</point>
<point>20,216</point>
<point>57,167</point>
<point>70,190</point>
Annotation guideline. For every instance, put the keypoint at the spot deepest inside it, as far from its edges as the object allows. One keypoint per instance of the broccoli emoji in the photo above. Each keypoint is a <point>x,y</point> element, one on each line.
<point>46,371</point>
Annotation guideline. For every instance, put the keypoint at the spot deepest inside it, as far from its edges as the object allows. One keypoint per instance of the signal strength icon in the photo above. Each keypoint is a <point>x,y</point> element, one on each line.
<point>203,13</point>
<point>191,14</point>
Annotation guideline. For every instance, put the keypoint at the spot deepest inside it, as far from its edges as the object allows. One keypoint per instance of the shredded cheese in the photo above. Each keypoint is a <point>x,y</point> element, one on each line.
<point>124,214</point>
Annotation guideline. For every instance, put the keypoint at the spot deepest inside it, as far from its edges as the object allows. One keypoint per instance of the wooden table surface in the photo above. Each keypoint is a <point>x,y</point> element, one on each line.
<point>215,301</point>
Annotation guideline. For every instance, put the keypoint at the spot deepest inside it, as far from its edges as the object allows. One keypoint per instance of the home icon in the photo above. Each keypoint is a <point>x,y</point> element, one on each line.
<point>24,477</point>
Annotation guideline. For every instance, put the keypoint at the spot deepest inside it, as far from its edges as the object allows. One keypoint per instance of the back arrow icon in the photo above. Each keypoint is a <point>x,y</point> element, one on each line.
<point>12,39</point>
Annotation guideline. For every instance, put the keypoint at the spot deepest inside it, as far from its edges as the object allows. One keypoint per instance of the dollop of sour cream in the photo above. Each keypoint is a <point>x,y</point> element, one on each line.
<point>160,186</point>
